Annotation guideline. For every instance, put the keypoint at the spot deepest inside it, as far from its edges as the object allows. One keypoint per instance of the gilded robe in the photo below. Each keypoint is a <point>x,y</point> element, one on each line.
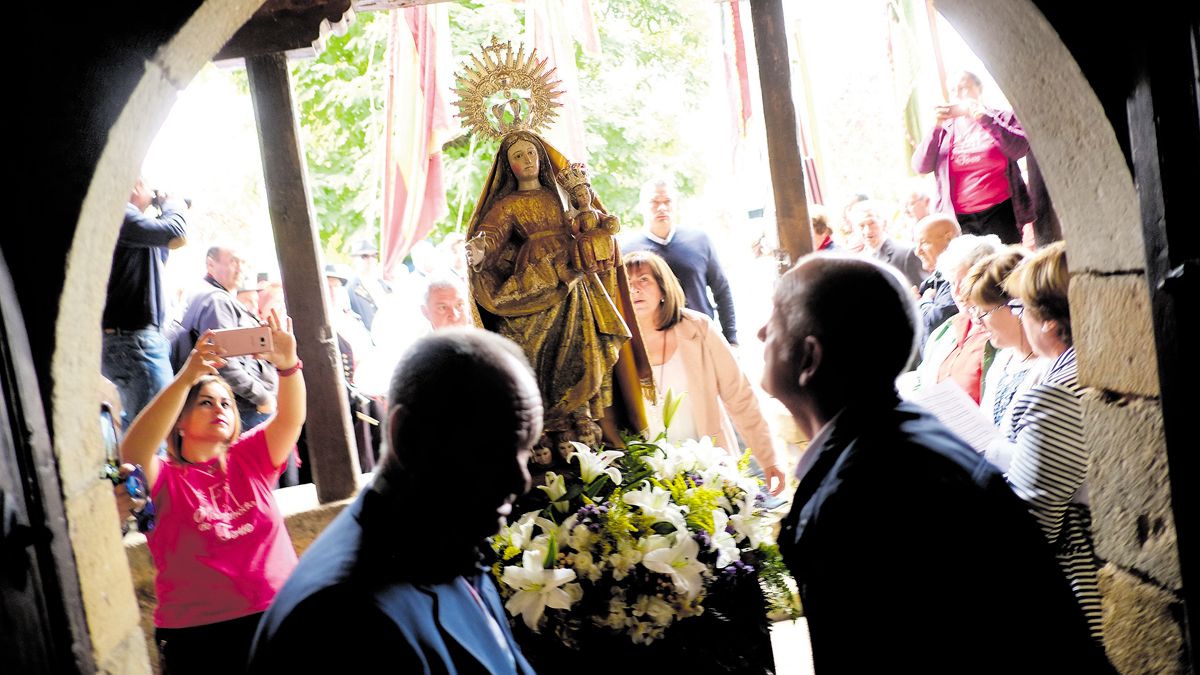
<point>565,319</point>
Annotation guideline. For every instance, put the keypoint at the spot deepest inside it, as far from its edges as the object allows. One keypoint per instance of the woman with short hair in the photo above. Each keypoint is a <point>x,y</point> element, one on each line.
<point>1050,459</point>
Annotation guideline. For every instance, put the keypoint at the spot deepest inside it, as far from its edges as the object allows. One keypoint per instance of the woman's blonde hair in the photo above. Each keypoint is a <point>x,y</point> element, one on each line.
<point>1041,283</point>
<point>670,312</point>
<point>985,280</point>
<point>175,439</point>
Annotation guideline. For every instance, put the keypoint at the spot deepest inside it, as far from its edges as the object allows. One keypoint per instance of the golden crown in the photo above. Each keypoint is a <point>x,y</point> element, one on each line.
<point>573,175</point>
<point>500,72</point>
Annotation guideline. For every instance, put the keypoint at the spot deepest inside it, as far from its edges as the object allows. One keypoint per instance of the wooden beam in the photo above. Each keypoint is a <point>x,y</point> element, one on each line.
<point>329,432</point>
<point>779,114</point>
<point>286,26</point>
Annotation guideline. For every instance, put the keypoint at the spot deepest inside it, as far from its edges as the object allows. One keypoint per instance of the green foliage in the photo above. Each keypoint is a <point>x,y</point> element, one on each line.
<point>340,97</point>
<point>651,70</point>
<point>628,116</point>
<point>628,141</point>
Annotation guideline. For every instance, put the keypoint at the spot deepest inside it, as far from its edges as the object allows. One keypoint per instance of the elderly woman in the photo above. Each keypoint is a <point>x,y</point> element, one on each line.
<point>691,358</point>
<point>1049,462</point>
<point>958,349</point>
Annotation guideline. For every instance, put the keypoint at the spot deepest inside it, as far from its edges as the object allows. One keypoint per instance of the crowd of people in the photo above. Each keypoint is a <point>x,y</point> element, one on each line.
<point>892,513</point>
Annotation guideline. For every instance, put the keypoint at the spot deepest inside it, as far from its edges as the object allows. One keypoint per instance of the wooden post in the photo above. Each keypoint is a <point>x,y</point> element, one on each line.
<point>331,447</point>
<point>779,114</point>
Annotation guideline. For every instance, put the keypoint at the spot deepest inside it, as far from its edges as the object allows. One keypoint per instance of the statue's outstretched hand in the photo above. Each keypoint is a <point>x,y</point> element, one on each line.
<point>475,252</point>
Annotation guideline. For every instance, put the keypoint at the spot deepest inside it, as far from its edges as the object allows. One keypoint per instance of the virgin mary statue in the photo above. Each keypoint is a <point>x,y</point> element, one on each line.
<point>574,325</point>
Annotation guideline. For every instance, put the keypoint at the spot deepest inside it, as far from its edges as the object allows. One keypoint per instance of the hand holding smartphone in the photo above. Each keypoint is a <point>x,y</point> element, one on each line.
<point>243,341</point>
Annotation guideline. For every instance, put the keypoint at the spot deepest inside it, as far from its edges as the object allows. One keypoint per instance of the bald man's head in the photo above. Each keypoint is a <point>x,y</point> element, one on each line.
<point>933,235</point>
<point>840,324</point>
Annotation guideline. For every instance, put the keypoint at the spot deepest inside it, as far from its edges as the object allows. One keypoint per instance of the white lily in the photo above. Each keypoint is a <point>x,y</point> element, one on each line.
<point>536,589</point>
<point>679,562</point>
<point>667,462</point>
<point>554,488</point>
<point>748,524</point>
<point>656,503</point>
<point>520,533</point>
<point>706,455</point>
<point>727,550</point>
<point>592,465</point>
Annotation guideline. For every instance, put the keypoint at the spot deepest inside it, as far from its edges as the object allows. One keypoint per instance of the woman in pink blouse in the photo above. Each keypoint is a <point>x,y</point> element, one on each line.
<point>973,152</point>
<point>219,545</point>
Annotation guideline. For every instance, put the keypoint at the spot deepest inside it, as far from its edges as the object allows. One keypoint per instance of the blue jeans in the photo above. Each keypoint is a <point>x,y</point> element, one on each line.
<point>138,362</point>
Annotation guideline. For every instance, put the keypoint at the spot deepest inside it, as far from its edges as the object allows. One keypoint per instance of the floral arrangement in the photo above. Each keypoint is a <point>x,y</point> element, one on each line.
<point>639,540</point>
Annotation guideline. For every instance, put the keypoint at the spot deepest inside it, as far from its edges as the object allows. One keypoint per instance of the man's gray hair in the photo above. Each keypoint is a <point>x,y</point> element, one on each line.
<point>667,183</point>
<point>859,211</point>
<point>440,281</point>
<point>964,251</point>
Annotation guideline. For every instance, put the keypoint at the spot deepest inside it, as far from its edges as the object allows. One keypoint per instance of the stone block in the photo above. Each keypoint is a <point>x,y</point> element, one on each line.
<point>1130,488</point>
<point>104,580</point>
<point>128,658</point>
<point>1114,335</point>
<point>1142,628</point>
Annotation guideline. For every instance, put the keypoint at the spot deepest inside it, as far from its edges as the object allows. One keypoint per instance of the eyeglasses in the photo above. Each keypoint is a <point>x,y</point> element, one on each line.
<point>1016,307</point>
<point>980,316</point>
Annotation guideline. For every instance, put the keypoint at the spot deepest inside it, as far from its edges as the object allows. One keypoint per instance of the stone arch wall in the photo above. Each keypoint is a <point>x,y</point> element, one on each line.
<point>1094,195</point>
<point>1097,204</point>
<point>108,598</point>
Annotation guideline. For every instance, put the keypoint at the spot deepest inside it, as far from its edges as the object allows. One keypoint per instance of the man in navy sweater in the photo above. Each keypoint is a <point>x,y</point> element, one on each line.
<point>689,254</point>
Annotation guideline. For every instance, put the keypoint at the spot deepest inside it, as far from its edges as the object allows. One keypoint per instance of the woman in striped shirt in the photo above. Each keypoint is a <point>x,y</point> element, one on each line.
<point>1050,460</point>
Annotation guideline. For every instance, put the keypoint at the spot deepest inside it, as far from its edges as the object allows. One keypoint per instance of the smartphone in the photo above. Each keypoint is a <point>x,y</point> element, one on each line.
<point>243,341</point>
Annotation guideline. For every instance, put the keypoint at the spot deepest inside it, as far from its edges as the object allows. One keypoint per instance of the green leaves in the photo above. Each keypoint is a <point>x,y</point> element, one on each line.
<point>671,406</point>
<point>340,99</point>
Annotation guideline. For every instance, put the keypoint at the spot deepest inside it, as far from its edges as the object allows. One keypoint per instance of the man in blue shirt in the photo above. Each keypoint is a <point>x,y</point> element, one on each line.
<point>689,254</point>
<point>136,355</point>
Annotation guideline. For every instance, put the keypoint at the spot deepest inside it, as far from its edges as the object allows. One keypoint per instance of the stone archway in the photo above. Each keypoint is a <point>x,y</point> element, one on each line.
<point>1085,172</point>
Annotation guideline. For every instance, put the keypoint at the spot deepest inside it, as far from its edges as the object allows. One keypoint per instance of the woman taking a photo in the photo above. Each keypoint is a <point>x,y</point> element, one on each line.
<point>692,360</point>
<point>219,545</point>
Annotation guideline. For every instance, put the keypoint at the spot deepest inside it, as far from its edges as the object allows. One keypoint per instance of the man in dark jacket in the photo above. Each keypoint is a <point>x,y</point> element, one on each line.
<point>934,234</point>
<point>215,307</point>
<point>135,354</point>
<point>909,550</point>
<point>399,569</point>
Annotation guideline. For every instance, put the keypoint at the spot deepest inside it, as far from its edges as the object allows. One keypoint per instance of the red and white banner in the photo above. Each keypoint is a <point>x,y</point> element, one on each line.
<point>418,123</point>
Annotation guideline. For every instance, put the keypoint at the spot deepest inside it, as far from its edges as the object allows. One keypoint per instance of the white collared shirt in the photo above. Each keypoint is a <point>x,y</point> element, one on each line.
<point>814,447</point>
<point>658,240</point>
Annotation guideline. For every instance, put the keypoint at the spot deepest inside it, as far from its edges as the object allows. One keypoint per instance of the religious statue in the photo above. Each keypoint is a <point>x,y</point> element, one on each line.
<point>593,230</point>
<point>530,279</point>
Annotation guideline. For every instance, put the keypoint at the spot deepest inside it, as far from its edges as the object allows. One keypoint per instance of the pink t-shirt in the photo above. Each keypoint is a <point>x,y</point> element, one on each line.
<point>978,169</point>
<point>220,545</point>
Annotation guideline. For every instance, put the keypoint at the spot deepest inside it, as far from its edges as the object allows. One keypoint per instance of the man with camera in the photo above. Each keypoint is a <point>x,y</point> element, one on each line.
<point>135,355</point>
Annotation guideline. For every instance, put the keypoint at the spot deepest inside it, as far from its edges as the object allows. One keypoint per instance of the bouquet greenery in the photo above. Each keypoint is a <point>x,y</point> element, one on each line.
<point>631,542</point>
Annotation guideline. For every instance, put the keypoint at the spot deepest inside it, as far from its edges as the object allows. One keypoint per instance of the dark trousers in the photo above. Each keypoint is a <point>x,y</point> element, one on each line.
<point>999,220</point>
<point>222,647</point>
